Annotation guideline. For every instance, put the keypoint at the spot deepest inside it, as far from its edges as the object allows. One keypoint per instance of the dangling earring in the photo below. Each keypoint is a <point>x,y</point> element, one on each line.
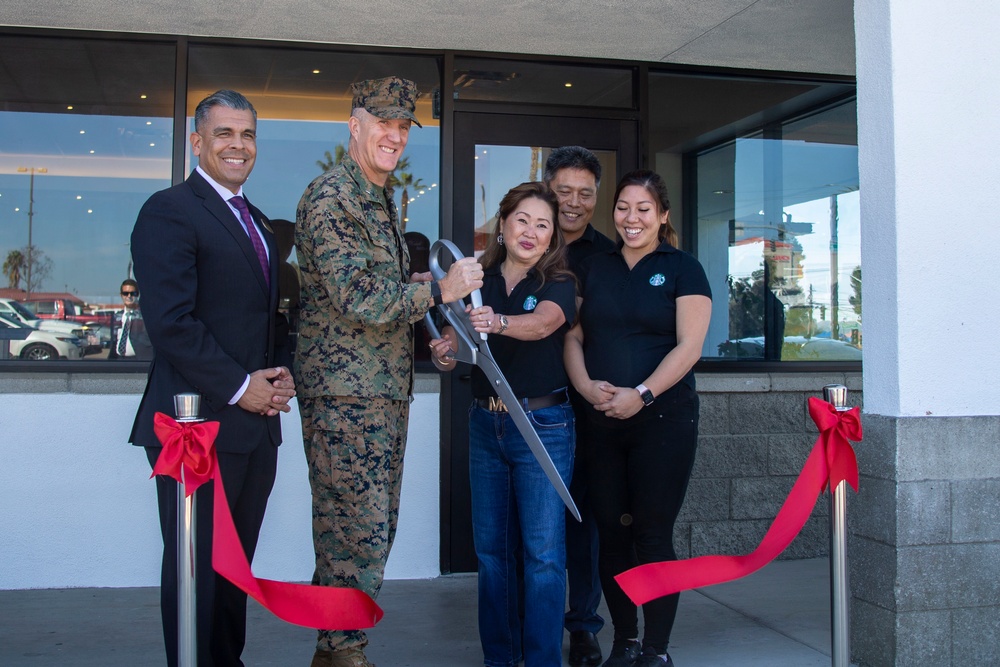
<point>500,238</point>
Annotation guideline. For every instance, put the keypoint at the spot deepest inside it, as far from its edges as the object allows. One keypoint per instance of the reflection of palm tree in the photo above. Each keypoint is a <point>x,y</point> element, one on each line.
<point>331,161</point>
<point>536,163</point>
<point>12,268</point>
<point>404,180</point>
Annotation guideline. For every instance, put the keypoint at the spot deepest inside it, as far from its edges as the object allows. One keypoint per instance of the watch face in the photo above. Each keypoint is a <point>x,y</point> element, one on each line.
<point>647,397</point>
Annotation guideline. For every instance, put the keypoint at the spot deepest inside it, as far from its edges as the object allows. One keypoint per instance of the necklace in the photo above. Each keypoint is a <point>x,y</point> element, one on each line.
<point>511,278</point>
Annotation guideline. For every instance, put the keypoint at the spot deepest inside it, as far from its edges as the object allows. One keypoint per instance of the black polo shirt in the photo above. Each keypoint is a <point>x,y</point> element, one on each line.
<point>629,317</point>
<point>532,367</point>
<point>590,243</point>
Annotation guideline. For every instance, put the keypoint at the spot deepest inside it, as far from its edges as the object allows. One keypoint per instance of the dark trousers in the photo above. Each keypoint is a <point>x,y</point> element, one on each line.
<point>221,606</point>
<point>638,477</point>
<point>582,576</point>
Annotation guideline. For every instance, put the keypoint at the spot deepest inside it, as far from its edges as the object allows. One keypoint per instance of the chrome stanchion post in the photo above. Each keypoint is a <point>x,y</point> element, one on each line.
<point>187,407</point>
<point>840,593</point>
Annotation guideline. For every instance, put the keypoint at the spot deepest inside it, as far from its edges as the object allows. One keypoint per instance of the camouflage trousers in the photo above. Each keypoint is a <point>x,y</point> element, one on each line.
<point>354,449</point>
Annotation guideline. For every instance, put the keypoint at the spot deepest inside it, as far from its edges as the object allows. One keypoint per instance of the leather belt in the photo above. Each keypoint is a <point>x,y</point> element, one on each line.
<point>495,404</point>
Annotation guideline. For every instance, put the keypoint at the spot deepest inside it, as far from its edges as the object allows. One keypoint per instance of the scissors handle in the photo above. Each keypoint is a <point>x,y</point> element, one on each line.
<point>438,272</point>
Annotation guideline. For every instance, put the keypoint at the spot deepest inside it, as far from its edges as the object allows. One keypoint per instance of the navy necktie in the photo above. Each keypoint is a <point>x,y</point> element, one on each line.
<point>126,325</point>
<point>240,204</point>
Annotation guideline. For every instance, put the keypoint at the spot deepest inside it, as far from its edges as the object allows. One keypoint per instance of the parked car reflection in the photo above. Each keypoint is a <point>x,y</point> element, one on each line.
<point>94,335</point>
<point>794,348</point>
<point>42,345</point>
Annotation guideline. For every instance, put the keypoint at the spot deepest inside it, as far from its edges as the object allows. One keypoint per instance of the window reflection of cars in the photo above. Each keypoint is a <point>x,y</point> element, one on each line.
<point>800,348</point>
<point>742,348</point>
<point>794,348</point>
<point>42,345</point>
<point>91,334</point>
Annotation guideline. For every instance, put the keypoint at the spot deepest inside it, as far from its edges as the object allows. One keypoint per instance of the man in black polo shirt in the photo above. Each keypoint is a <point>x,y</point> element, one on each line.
<point>573,173</point>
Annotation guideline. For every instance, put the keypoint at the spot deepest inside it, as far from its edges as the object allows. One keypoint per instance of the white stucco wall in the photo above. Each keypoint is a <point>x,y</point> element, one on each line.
<point>930,183</point>
<point>77,507</point>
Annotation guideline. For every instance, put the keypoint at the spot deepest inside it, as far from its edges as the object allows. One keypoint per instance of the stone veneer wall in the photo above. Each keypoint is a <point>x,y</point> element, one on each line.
<point>755,435</point>
<point>924,543</point>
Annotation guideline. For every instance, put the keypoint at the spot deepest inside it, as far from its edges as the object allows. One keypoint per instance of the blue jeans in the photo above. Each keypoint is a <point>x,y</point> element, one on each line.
<point>515,506</point>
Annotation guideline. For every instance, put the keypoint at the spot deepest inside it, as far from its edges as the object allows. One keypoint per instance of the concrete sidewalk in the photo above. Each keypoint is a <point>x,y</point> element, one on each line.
<point>778,617</point>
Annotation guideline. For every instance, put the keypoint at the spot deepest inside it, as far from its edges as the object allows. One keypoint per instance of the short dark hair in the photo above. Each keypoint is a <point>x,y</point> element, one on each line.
<point>572,157</point>
<point>221,98</point>
<point>128,282</point>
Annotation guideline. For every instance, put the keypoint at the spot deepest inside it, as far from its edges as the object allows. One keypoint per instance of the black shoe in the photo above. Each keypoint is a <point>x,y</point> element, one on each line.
<point>583,649</point>
<point>650,658</point>
<point>623,653</point>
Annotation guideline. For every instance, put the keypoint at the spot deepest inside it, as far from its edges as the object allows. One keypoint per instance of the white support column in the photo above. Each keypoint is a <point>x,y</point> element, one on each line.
<point>925,543</point>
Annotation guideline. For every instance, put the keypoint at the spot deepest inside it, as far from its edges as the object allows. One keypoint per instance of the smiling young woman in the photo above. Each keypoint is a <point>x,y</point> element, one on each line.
<point>643,416</point>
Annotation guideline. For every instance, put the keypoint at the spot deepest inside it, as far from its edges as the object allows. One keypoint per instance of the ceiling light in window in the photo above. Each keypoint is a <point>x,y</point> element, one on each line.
<point>149,122</point>
<point>91,152</point>
<point>79,196</point>
<point>83,132</point>
<point>151,145</point>
<point>70,107</point>
<point>90,210</point>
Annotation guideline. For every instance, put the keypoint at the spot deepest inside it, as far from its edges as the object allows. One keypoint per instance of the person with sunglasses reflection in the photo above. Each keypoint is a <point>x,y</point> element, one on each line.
<point>129,339</point>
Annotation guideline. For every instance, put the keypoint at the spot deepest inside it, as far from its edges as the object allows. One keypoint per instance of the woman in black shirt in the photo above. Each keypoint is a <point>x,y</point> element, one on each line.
<point>643,319</point>
<point>529,302</point>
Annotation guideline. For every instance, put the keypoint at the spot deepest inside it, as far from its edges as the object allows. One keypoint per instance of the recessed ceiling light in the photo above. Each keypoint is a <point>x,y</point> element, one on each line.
<point>142,97</point>
<point>70,107</point>
<point>315,71</point>
<point>568,84</point>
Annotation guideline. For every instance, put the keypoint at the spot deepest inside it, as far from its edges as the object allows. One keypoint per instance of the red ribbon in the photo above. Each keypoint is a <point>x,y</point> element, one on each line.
<point>191,446</point>
<point>831,461</point>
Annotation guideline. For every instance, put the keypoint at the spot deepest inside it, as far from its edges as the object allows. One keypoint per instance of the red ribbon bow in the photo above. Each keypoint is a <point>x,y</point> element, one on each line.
<point>836,427</point>
<point>191,447</point>
<point>188,453</point>
<point>831,461</point>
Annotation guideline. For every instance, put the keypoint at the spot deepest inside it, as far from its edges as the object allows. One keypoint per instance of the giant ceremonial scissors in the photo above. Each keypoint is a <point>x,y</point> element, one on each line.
<point>473,349</point>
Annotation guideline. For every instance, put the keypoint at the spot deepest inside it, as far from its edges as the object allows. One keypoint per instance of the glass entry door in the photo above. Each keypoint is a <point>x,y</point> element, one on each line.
<point>493,153</point>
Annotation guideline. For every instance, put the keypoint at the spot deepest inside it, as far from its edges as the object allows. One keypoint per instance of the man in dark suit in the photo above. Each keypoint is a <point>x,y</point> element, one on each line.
<point>129,339</point>
<point>205,259</point>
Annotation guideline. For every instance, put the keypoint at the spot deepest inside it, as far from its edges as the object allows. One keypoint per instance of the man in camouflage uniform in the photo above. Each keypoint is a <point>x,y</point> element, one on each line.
<point>355,349</point>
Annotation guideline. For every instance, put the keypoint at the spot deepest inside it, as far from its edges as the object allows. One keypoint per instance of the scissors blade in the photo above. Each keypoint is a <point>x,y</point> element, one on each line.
<point>524,427</point>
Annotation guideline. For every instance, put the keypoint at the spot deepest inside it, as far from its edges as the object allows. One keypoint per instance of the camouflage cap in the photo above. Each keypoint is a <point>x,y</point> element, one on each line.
<point>391,97</point>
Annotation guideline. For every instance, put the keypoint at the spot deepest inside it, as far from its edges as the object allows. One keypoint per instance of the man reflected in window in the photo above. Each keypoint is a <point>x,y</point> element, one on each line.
<point>128,332</point>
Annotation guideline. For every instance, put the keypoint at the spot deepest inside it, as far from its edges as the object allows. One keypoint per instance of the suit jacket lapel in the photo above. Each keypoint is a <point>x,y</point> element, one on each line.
<point>220,209</point>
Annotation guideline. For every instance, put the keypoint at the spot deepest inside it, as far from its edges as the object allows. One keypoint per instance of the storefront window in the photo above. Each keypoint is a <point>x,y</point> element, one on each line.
<point>764,185</point>
<point>85,137</point>
<point>779,234</point>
